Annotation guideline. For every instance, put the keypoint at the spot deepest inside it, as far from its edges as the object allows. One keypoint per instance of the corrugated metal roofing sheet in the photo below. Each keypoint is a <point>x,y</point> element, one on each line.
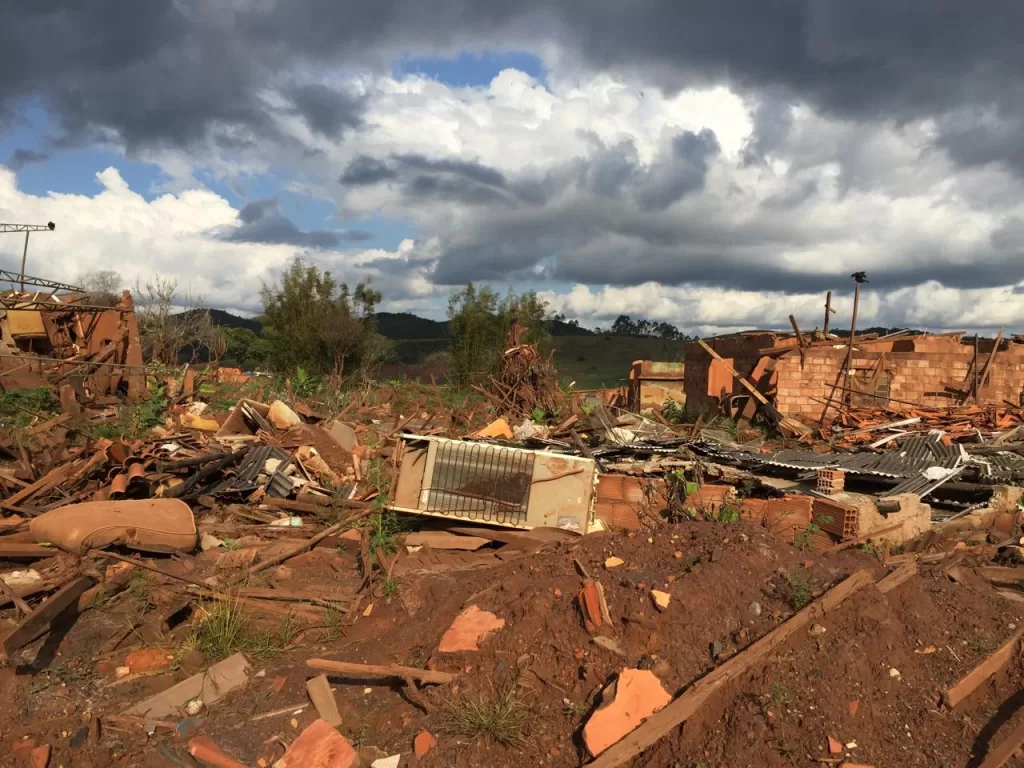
<point>916,454</point>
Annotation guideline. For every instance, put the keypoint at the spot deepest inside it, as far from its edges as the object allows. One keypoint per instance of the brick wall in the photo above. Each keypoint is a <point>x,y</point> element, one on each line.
<point>914,376</point>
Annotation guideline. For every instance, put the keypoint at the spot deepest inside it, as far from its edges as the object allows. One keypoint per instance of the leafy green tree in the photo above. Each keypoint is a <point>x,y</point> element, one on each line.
<point>312,321</point>
<point>479,323</point>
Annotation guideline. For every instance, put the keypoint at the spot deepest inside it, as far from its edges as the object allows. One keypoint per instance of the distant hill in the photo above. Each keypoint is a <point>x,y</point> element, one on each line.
<point>228,320</point>
<point>402,326</point>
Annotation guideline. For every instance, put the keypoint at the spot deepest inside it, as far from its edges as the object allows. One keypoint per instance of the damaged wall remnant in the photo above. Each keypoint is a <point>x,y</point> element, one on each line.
<point>653,383</point>
<point>925,370</point>
<point>51,338</point>
<point>487,483</point>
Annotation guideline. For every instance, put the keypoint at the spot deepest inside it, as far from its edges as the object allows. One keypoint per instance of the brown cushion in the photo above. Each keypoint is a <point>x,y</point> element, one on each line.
<point>150,525</point>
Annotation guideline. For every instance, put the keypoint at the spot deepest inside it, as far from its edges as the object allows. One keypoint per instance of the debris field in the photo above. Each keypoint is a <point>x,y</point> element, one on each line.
<point>386,579</point>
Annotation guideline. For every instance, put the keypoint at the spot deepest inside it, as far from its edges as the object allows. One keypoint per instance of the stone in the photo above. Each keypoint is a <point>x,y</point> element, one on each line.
<point>387,762</point>
<point>717,647</point>
<point>319,746</point>
<point>634,696</point>
<point>613,562</point>
<point>816,630</point>
<point>281,416</point>
<point>661,599</point>
<point>609,644</point>
<point>470,628</point>
<point>148,660</point>
<point>755,608</point>
<point>423,743</point>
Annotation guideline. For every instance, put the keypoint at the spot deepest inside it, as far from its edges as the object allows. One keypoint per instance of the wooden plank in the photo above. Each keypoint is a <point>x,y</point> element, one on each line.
<point>43,617</point>
<point>999,755</point>
<point>865,538</point>
<point>445,540</point>
<point>1003,576</point>
<point>49,424</point>
<point>980,380</point>
<point>372,671</point>
<point>981,673</point>
<point>320,693</point>
<point>24,550</point>
<point>901,575</point>
<point>684,706</point>
<point>48,480</point>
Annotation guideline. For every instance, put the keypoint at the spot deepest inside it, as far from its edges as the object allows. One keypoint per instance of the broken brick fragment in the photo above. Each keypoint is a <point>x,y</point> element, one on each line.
<point>635,695</point>
<point>423,743</point>
<point>41,756</point>
<point>590,605</point>
<point>468,630</point>
<point>319,746</point>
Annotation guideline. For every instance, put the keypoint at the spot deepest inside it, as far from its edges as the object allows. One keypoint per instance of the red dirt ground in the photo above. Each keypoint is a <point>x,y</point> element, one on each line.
<point>930,629</point>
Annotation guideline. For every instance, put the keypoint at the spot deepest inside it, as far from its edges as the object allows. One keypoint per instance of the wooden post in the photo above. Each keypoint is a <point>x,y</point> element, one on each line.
<point>980,380</point>
<point>975,366</point>
<point>828,311</point>
<point>858,277</point>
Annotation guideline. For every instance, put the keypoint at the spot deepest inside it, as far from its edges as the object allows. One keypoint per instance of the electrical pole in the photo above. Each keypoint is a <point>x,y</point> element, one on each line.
<point>27,229</point>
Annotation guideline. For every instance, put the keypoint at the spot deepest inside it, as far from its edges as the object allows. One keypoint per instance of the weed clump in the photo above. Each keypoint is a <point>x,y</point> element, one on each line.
<point>500,715</point>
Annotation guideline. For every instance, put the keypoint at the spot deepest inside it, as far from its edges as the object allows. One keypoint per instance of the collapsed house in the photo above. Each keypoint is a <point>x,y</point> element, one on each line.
<point>804,377</point>
<point>55,336</point>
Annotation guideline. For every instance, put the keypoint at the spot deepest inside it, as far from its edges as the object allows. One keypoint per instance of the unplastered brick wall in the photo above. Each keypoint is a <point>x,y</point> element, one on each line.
<point>915,377</point>
<point>743,350</point>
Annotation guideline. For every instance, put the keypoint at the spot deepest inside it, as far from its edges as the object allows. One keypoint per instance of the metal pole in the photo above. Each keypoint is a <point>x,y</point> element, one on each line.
<point>24,256</point>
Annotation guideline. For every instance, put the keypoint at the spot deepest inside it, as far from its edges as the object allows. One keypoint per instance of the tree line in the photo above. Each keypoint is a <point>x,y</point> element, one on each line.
<point>312,321</point>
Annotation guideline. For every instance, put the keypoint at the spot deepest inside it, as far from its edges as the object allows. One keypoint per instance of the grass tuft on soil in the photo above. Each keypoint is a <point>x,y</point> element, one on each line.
<point>228,628</point>
<point>500,715</point>
<point>801,589</point>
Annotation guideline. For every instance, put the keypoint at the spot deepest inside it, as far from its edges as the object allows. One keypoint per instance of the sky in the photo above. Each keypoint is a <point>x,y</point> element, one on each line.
<point>716,165</point>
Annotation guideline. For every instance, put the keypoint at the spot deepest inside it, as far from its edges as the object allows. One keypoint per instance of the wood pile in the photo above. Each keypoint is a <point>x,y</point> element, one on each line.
<point>959,423</point>
<point>527,381</point>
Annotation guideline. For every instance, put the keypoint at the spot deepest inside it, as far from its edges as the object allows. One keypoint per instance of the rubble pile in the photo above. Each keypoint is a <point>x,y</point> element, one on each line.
<point>534,579</point>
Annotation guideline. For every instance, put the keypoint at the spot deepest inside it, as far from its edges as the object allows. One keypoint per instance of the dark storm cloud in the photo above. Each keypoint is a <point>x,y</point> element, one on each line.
<point>22,157</point>
<point>328,111</point>
<point>470,170</point>
<point>264,222</point>
<point>364,171</point>
<point>166,71</point>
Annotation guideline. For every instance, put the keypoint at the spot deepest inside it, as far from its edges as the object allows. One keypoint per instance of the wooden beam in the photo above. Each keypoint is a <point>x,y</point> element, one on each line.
<point>41,620</point>
<point>372,671</point>
<point>25,550</point>
<point>320,693</point>
<point>796,329</point>
<point>904,573</point>
<point>999,755</point>
<point>980,379</point>
<point>791,424</point>
<point>828,311</point>
<point>681,709</point>
<point>981,673</point>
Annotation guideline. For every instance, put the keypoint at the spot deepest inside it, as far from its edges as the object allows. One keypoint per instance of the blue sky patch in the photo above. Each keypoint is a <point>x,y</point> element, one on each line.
<point>470,69</point>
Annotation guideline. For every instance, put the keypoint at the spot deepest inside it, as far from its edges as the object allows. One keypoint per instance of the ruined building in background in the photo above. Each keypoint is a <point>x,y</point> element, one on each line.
<point>932,371</point>
<point>55,336</point>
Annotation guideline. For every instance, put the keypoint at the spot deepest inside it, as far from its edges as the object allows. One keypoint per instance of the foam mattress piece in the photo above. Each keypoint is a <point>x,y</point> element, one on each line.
<point>148,525</point>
